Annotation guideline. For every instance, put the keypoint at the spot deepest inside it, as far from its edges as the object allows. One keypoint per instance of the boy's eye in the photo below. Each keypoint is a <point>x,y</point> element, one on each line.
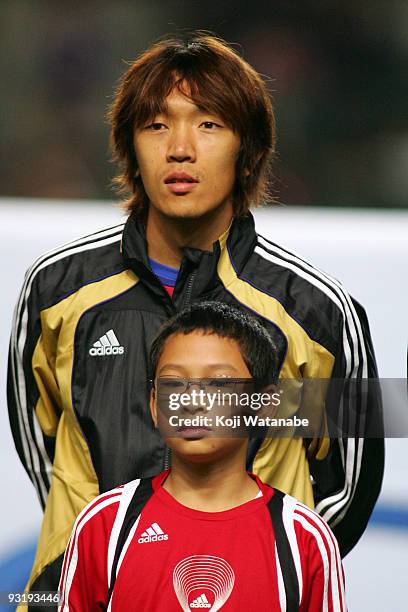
<point>172,383</point>
<point>220,383</point>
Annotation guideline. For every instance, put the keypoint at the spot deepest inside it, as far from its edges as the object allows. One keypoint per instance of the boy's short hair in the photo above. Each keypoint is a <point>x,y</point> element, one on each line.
<point>262,354</point>
<point>220,81</point>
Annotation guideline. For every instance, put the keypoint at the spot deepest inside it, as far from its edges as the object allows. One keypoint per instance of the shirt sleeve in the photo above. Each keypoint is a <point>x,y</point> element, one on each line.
<point>84,581</point>
<point>32,391</point>
<point>322,573</point>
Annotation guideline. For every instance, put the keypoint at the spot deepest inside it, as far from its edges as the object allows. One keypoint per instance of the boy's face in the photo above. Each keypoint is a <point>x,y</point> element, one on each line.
<point>187,159</point>
<point>198,355</point>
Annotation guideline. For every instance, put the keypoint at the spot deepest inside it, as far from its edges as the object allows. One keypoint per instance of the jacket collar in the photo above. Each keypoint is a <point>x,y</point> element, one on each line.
<point>240,240</point>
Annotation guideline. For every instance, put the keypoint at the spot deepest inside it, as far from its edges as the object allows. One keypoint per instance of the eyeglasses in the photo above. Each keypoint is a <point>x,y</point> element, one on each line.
<point>168,384</point>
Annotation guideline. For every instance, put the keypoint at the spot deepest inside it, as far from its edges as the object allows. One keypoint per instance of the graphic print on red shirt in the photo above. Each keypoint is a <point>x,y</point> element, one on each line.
<point>191,584</point>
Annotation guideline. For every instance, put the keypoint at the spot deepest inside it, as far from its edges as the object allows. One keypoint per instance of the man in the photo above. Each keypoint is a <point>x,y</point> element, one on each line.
<point>205,534</point>
<point>193,130</point>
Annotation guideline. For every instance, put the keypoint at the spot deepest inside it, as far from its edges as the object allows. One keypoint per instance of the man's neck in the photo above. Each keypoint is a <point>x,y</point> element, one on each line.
<point>210,488</point>
<point>167,237</point>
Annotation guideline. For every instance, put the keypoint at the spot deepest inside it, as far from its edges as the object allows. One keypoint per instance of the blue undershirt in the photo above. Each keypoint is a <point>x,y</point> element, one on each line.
<point>166,274</point>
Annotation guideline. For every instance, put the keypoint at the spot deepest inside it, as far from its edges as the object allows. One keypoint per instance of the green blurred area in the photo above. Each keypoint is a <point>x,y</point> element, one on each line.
<point>337,74</point>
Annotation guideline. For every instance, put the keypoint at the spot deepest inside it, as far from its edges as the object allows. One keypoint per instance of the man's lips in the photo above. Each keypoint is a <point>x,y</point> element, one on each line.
<point>179,177</point>
<point>180,182</point>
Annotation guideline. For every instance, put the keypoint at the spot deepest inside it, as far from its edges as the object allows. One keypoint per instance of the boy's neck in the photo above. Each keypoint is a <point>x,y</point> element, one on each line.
<point>210,488</point>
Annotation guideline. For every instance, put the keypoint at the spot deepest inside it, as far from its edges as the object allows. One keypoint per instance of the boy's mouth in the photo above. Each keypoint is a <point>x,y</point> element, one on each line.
<point>193,433</point>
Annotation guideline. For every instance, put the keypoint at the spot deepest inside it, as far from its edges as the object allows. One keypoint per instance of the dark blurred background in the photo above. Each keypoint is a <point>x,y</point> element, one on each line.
<point>337,72</point>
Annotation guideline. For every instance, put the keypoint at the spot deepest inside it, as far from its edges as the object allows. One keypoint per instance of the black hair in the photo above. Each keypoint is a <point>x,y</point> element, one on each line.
<point>262,354</point>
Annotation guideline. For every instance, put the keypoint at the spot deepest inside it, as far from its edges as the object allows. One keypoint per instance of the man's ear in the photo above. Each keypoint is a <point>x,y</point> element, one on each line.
<point>246,172</point>
<point>271,410</point>
<point>153,406</point>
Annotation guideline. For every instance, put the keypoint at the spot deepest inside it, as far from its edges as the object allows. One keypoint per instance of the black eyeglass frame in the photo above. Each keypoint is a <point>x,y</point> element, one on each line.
<point>204,383</point>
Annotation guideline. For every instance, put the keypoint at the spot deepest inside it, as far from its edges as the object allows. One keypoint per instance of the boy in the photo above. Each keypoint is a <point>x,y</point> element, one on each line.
<point>205,534</point>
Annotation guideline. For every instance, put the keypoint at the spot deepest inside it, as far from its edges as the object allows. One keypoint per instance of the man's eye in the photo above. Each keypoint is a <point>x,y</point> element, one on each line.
<point>155,127</point>
<point>209,125</point>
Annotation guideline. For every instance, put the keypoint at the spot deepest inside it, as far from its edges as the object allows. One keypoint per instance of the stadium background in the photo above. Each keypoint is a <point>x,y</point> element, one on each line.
<point>338,76</point>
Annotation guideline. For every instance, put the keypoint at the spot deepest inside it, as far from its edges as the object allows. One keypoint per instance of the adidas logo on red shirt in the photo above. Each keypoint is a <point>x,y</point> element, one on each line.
<point>153,534</point>
<point>200,602</point>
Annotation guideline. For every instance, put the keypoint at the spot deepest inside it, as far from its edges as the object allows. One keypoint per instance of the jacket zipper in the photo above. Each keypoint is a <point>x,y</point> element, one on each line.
<point>189,288</point>
<point>167,457</point>
<point>190,281</point>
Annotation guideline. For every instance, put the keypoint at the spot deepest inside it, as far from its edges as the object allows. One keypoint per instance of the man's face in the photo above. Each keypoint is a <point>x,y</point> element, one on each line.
<point>186,159</point>
<point>198,355</point>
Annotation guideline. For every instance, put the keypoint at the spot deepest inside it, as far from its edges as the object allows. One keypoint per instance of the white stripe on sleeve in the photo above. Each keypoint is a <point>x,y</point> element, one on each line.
<point>332,567</point>
<point>71,553</point>
<point>32,437</point>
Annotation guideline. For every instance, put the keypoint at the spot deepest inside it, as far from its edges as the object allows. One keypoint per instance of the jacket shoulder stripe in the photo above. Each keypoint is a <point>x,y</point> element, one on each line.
<point>31,434</point>
<point>97,240</point>
<point>69,248</point>
<point>313,274</point>
<point>331,288</point>
<point>356,365</point>
<point>36,459</point>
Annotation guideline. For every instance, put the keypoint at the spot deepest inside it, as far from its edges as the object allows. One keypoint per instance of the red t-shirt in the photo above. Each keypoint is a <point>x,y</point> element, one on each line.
<point>169,289</point>
<point>183,559</point>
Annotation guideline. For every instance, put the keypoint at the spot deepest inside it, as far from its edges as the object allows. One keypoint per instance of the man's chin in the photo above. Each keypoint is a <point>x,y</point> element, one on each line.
<point>183,208</point>
<point>184,212</point>
<point>183,215</point>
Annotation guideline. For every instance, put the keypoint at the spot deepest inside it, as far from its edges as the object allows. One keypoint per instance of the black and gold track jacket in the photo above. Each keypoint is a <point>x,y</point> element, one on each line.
<point>77,383</point>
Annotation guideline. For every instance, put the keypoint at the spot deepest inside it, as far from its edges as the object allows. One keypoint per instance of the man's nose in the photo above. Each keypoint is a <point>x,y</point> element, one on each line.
<point>181,146</point>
